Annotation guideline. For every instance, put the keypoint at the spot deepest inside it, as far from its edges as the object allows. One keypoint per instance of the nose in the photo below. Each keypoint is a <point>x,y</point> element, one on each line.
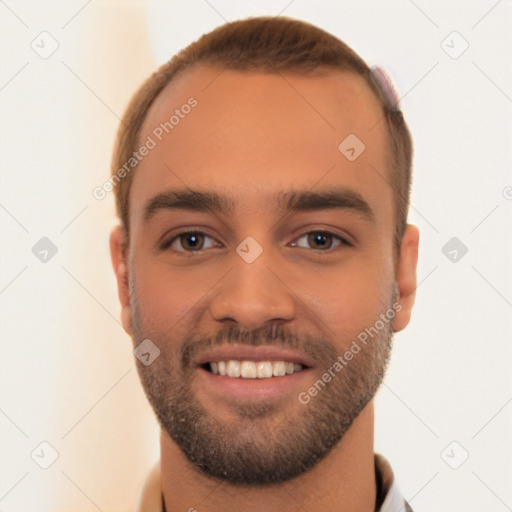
<point>252,295</point>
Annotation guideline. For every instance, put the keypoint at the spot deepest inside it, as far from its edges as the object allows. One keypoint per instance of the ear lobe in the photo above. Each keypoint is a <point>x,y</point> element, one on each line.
<point>118,254</point>
<point>406,276</point>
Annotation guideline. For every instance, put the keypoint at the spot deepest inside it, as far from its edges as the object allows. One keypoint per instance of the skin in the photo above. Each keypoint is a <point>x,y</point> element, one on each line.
<point>251,136</point>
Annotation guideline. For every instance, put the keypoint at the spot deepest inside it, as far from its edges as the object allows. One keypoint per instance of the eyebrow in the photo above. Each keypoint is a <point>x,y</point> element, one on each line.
<point>288,201</point>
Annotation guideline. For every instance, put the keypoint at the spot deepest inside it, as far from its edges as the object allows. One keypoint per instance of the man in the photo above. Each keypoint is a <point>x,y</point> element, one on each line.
<point>263,262</point>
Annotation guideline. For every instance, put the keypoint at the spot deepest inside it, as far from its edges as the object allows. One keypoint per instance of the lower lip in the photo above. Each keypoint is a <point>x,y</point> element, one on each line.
<point>270,387</point>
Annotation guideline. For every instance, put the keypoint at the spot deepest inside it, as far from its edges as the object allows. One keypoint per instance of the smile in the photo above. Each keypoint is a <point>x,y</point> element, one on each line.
<point>253,369</point>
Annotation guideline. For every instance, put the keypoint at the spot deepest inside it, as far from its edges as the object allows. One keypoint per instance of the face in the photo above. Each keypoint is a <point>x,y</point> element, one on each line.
<point>256,245</point>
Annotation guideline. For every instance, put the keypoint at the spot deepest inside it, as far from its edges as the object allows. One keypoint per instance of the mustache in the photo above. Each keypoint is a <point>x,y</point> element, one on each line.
<point>320,349</point>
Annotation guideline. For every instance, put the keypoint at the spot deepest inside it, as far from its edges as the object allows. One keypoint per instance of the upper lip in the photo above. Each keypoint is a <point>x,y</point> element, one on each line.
<point>246,353</point>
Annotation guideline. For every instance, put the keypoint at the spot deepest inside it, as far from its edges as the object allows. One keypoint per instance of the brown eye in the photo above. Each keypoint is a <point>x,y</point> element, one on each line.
<point>189,241</point>
<point>320,240</point>
<point>193,241</point>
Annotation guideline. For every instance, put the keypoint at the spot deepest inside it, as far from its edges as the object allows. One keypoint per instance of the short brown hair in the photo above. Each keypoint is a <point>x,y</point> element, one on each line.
<point>271,45</point>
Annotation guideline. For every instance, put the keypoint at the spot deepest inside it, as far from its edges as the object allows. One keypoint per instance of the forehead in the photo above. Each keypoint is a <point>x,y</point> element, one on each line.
<point>250,135</point>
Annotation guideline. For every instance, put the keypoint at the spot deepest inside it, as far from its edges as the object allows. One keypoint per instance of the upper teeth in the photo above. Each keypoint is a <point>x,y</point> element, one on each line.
<point>254,369</point>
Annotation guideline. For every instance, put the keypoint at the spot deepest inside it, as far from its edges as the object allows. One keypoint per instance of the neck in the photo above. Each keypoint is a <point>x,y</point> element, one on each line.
<point>343,481</point>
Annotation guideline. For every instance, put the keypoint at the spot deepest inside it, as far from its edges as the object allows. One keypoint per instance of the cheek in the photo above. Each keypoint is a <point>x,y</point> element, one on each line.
<point>349,300</point>
<point>167,298</point>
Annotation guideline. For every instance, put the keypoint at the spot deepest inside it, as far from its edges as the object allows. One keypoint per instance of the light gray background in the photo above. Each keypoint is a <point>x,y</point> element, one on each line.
<point>67,370</point>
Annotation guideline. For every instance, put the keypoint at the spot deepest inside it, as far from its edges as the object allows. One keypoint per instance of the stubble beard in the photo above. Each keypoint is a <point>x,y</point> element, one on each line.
<point>271,441</point>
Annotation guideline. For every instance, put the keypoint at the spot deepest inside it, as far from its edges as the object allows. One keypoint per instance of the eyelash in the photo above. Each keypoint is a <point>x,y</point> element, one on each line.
<point>168,243</point>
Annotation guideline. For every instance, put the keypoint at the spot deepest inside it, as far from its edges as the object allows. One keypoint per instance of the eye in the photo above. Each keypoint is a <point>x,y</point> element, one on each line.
<point>320,240</point>
<point>190,241</point>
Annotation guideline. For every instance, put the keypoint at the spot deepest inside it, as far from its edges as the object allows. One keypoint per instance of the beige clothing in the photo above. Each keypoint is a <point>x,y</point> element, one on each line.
<point>389,497</point>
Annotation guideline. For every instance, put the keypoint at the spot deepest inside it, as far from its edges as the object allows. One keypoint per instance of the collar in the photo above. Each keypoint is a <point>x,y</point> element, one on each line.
<point>389,497</point>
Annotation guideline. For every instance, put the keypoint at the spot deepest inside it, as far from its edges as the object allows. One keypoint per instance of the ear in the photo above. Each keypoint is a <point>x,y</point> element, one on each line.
<point>118,253</point>
<point>406,276</point>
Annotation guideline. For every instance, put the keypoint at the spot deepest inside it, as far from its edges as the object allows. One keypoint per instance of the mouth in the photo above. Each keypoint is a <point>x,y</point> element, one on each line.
<point>253,372</point>
<point>248,369</point>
